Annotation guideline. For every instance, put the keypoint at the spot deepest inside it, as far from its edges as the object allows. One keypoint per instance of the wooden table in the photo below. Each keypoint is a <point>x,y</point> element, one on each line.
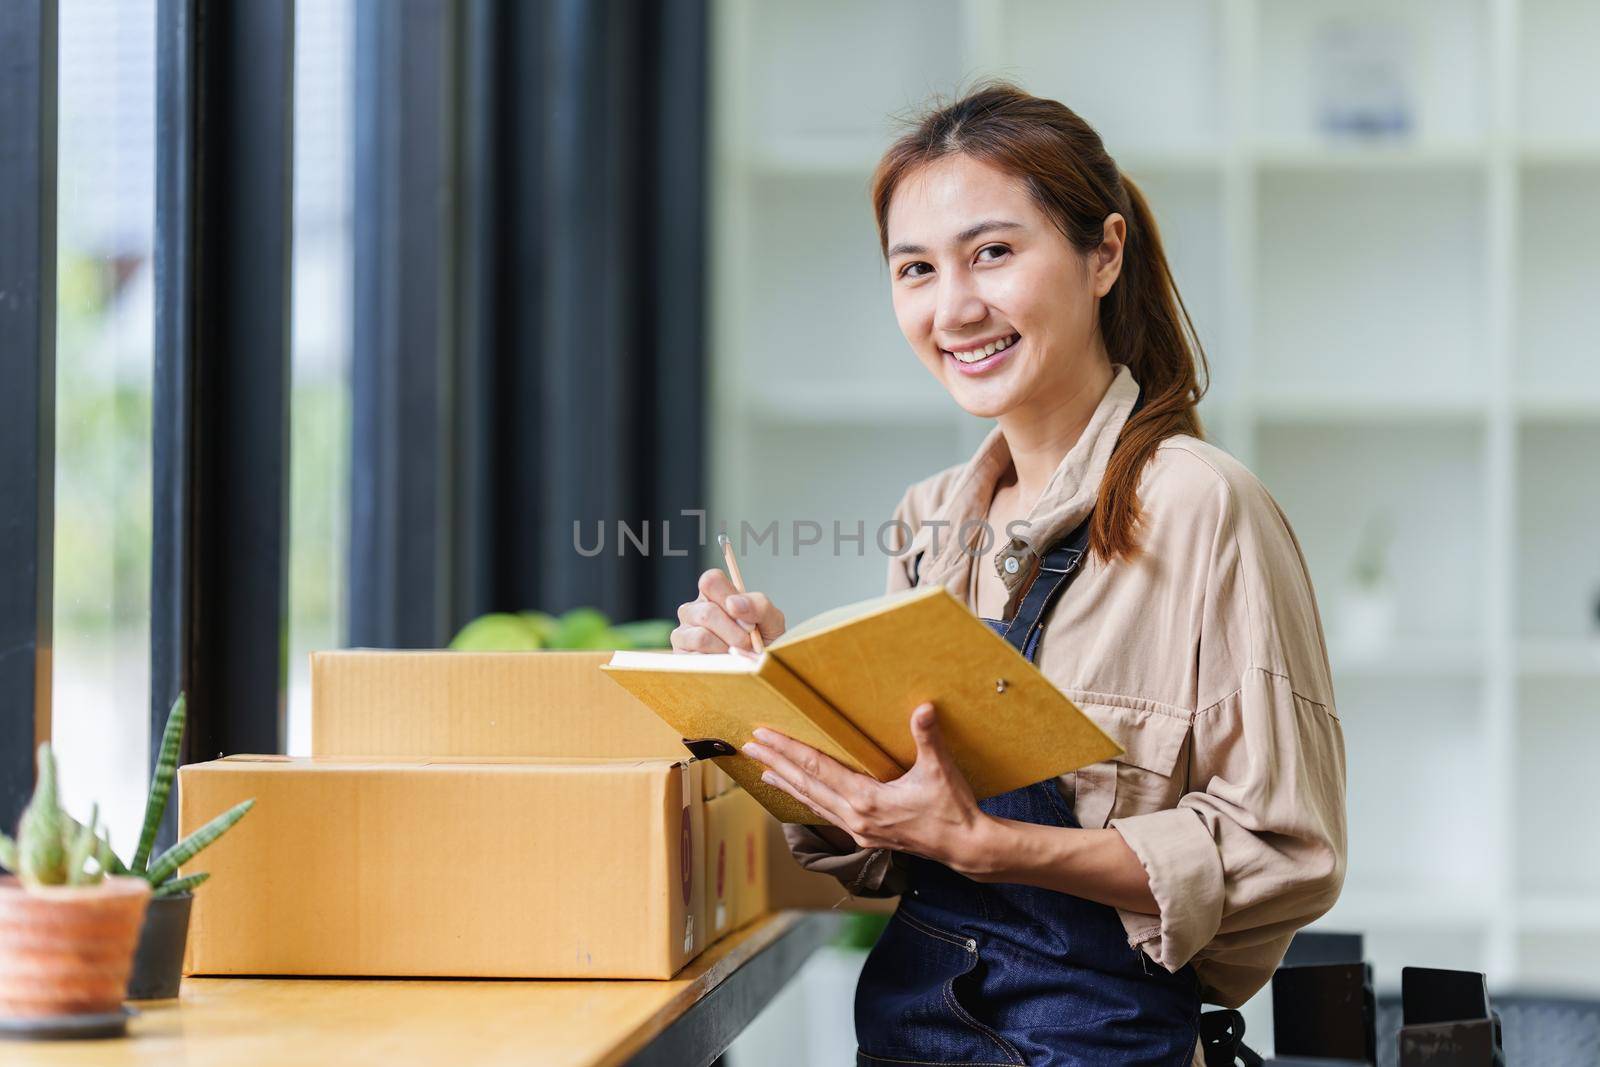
<point>685,1021</point>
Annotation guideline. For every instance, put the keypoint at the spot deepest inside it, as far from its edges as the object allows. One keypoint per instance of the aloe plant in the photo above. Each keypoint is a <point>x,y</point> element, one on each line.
<point>51,847</point>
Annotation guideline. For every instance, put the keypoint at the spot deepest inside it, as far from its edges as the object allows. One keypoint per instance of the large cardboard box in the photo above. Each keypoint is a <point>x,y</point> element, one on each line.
<point>371,702</point>
<point>515,868</point>
<point>736,861</point>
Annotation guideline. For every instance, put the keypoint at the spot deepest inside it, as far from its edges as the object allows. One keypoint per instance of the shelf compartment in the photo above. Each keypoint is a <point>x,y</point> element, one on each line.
<point>1393,330</point>
<point>1558,546</point>
<point>1558,271</point>
<point>1415,747</point>
<point>1557,834</point>
<point>1332,480</point>
<point>818,310</point>
<point>838,67</point>
<point>1559,78</point>
<point>1446,70</point>
<point>1086,53</point>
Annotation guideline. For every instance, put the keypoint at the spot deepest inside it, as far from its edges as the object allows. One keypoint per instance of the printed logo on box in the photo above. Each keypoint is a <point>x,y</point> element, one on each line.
<point>686,872</point>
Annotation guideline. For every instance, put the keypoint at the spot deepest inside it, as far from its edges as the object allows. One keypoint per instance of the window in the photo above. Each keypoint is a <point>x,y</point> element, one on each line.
<point>104,360</point>
<point>319,489</point>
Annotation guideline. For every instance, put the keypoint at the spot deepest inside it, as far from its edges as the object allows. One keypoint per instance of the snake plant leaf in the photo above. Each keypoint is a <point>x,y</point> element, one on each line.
<point>103,853</point>
<point>107,859</point>
<point>161,783</point>
<point>81,847</point>
<point>182,885</point>
<point>8,854</point>
<point>166,865</point>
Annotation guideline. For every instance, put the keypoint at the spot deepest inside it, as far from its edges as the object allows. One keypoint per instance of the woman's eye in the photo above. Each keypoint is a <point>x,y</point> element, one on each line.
<point>909,270</point>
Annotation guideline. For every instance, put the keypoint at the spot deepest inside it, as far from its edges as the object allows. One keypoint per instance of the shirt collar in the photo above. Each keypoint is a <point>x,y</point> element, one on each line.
<point>956,528</point>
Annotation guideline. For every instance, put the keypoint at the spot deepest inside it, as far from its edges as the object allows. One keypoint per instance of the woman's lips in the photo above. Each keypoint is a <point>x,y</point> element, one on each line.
<point>988,363</point>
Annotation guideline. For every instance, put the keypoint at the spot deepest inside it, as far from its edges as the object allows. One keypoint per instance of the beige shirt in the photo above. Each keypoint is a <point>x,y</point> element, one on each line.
<point>1204,659</point>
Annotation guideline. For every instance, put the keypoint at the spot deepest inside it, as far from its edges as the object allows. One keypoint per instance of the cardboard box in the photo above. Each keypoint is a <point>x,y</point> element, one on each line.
<point>790,885</point>
<point>373,702</point>
<point>514,868</point>
<point>736,861</point>
<point>367,702</point>
<point>717,781</point>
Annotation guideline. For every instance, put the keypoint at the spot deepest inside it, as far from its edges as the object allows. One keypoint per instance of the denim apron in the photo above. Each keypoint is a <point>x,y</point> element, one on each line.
<point>970,973</point>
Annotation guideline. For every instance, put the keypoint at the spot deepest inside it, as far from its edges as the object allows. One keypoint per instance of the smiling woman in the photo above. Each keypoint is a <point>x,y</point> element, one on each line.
<point>1147,573</point>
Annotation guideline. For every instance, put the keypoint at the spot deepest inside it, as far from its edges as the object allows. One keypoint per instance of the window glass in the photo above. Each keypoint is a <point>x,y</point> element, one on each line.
<point>320,405</point>
<point>104,363</point>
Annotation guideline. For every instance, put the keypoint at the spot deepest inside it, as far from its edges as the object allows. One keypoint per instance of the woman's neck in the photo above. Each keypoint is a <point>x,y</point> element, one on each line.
<point>1040,436</point>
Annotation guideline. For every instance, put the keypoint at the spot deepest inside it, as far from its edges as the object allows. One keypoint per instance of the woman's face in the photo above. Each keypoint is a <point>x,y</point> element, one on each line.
<point>994,300</point>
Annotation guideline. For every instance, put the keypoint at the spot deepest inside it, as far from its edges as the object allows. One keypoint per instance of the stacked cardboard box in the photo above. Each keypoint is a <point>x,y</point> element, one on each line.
<point>483,814</point>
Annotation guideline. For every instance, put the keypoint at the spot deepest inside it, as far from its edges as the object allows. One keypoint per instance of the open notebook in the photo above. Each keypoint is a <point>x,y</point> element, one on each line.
<point>846,681</point>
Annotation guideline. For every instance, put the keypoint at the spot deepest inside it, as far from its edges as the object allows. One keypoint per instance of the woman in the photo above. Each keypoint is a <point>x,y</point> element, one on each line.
<point>1081,920</point>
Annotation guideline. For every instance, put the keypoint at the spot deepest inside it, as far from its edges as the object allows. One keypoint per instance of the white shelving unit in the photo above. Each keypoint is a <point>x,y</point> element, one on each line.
<point>1408,326</point>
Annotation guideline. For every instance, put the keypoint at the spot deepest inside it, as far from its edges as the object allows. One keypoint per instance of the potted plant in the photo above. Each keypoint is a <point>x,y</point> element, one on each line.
<point>68,922</point>
<point>158,964</point>
<point>1368,609</point>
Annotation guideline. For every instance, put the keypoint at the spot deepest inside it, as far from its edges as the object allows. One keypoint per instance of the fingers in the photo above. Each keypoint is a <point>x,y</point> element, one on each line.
<point>715,586</point>
<point>697,639</point>
<point>925,733</point>
<point>709,616</point>
<point>730,615</point>
<point>754,609</point>
<point>777,782</point>
<point>819,778</point>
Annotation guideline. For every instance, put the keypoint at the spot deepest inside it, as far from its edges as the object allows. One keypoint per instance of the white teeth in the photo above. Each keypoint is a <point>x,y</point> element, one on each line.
<point>973,355</point>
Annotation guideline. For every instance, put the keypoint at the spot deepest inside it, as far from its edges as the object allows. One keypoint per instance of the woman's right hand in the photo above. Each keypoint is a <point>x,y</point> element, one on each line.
<point>722,617</point>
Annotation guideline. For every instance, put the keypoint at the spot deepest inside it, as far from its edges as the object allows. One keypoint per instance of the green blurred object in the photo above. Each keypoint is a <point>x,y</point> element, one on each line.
<point>861,930</point>
<point>543,626</point>
<point>646,633</point>
<point>580,628</point>
<point>497,633</point>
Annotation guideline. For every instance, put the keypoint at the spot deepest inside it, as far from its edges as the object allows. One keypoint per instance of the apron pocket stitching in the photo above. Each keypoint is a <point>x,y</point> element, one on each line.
<point>963,943</point>
<point>1006,1048</point>
<point>933,1063</point>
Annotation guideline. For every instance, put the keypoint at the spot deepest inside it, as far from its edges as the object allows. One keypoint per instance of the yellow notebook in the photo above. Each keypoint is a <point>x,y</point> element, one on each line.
<point>846,681</point>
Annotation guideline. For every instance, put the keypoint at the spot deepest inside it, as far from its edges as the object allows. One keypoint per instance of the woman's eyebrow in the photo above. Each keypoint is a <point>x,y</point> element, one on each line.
<point>977,229</point>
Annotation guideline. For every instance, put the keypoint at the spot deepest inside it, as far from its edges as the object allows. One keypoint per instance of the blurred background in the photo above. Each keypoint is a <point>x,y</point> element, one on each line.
<point>1384,219</point>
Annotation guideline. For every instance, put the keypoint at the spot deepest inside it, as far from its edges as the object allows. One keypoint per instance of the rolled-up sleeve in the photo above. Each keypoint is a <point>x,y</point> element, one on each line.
<point>865,872</point>
<point>1238,866</point>
<point>1255,849</point>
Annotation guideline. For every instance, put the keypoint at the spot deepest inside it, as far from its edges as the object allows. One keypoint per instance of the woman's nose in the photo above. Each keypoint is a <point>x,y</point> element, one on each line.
<point>958,304</point>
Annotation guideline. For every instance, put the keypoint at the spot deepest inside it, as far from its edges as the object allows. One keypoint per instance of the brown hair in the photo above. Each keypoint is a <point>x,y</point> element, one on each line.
<point>1077,184</point>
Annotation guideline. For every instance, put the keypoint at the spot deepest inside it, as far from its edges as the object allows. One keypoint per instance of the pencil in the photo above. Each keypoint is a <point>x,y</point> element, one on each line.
<point>738,581</point>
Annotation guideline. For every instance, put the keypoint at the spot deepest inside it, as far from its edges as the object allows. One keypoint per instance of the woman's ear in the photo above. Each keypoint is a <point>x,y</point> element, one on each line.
<point>1107,258</point>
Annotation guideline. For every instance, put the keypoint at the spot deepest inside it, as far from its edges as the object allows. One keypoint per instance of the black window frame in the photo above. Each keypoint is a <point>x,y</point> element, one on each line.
<point>542,116</point>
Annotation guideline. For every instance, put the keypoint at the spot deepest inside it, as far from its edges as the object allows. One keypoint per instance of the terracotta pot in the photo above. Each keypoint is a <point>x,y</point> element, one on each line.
<point>67,950</point>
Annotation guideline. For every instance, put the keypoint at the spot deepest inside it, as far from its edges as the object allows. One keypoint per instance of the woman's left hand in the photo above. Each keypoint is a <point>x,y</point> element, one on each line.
<point>929,810</point>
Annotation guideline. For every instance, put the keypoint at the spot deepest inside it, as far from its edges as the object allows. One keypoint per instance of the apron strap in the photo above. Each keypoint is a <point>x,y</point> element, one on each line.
<point>1222,1040</point>
<point>1056,571</point>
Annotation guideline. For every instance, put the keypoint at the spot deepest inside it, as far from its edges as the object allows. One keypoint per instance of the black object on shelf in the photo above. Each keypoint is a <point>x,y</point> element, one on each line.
<point>1311,947</point>
<point>1324,1006</point>
<point>1448,1019</point>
